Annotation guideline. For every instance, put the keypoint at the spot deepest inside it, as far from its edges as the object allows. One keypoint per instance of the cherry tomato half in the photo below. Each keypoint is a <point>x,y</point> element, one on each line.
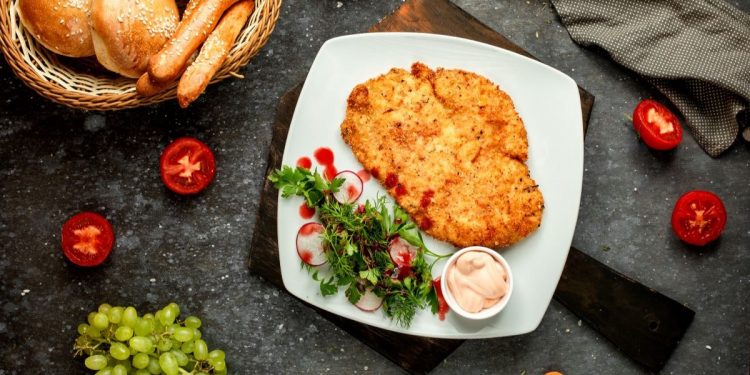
<point>87,239</point>
<point>187,166</point>
<point>698,217</point>
<point>659,128</point>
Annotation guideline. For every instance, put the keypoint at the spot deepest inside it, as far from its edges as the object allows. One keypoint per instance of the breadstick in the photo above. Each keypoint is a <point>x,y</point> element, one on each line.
<point>192,31</point>
<point>147,87</point>
<point>213,53</point>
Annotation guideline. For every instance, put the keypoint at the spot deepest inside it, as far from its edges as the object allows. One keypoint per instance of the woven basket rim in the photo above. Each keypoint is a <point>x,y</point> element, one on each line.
<point>122,95</point>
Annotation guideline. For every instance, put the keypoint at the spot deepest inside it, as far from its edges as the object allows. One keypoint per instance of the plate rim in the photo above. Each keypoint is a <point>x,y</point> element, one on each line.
<point>450,39</point>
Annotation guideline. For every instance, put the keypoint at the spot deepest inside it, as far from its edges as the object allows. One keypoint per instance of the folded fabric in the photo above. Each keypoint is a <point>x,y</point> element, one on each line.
<point>696,52</point>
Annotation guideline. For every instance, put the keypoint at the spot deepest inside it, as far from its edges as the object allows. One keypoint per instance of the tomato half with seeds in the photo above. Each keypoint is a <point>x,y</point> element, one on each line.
<point>699,217</point>
<point>659,128</point>
<point>87,239</point>
<point>187,166</point>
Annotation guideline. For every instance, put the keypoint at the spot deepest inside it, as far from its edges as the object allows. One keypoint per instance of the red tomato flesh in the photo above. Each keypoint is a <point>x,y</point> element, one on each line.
<point>187,166</point>
<point>87,239</point>
<point>659,128</point>
<point>699,217</point>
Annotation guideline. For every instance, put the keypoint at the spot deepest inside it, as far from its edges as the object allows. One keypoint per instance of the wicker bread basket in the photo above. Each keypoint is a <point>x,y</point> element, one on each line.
<point>74,83</point>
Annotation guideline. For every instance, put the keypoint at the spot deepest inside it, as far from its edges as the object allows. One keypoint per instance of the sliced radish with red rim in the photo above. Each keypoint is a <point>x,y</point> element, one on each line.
<point>352,188</point>
<point>402,252</point>
<point>310,244</point>
<point>369,301</point>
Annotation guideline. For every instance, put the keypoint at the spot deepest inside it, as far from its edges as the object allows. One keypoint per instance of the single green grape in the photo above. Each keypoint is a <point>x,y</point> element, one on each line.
<point>164,345</point>
<point>101,322</point>
<point>200,350</point>
<point>119,370</point>
<point>123,333</point>
<point>174,307</point>
<point>143,327</point>
<point>104,307</point>
<point>129,317</point>
<point>140,360</point>
<point>167,316</point>
<point>119,351</point>
<point>141,344</point>
<point>83,328</point>
<point>93,333</point>
<point>192,322</point>
<point>216,355</point>
<point>96,362</point>
<point>142,372</point>
<point>153,366</point>
<point>115,314</point>
<point>187,347</point>
<point>220,365</point>
<point>168,363</point>
<point>90,318</point>
<point>182,358</point>
<point>148,316</point>
<point>183,334</point>
<point>104,371</point>
<point>197,334</point>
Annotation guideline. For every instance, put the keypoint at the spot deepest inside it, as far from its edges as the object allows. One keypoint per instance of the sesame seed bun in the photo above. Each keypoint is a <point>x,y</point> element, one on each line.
<point>127,33</point>
<point>61,26</point>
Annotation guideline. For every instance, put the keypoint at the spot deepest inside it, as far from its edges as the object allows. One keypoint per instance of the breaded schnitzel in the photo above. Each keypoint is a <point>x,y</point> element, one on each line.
<point>450,147</point>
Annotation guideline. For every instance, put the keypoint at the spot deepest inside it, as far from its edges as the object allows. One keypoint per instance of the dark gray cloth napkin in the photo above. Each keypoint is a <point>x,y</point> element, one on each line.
<point>696,52</point>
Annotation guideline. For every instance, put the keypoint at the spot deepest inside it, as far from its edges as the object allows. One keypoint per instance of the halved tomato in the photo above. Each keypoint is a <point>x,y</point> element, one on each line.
<point>87,239</point>
<point>659,128</point>
<point>699,217</point>
<point>187,166</point>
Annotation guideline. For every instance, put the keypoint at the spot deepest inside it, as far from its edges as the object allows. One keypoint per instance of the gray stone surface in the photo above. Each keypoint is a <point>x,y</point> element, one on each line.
<point>55,162</point>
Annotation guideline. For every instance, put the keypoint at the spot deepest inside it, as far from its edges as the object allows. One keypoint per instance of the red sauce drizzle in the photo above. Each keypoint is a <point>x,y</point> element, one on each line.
<point>400,190</point>
<point>306,256</point>
<point>426,223</point>
<point>330,172</point>
<point>306,212</point>
<point>442,305</point>
<point>304,162</point>
<point>391,181</point>
<point>364,175</point>
<point>426,198</point>
<point>375,173</point>
<point>324,156</point>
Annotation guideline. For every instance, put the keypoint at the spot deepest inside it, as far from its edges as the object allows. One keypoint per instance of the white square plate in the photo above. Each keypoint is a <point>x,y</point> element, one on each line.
<point>547,101</point>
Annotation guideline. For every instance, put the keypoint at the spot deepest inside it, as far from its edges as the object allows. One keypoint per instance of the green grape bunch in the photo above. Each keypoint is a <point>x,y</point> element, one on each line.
<point>117,341</point>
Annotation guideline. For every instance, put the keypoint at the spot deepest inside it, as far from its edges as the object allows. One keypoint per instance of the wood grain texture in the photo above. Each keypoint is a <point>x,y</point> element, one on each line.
<point>641,322</point>
<point>445,18</point>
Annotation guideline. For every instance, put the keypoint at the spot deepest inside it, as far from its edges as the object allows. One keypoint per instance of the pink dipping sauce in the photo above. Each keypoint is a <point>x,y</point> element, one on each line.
<point>477,281</point>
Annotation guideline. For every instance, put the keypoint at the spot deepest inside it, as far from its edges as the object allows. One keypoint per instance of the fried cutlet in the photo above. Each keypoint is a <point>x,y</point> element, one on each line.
<point>451,149</point>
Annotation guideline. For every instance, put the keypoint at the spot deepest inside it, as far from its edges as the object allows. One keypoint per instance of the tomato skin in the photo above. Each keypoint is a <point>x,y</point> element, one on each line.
<point>699,217</point>
<point>182,154</point>
<point>87,239</point>
<point>649,131</point>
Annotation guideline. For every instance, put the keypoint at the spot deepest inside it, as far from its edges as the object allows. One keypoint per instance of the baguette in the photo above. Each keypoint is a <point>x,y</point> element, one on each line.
<point>213,53</point>
<point>192,31</point>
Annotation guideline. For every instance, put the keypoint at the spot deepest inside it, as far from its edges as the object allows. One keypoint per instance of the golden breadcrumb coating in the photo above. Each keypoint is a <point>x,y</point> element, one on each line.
<point>451,149</point>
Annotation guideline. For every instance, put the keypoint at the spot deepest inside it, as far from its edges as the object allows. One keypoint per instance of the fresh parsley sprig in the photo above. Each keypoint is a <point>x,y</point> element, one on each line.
<point>303,182</point>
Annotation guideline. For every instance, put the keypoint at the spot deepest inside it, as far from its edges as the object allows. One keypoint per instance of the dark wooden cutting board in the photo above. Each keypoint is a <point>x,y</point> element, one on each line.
<point>420,354</point>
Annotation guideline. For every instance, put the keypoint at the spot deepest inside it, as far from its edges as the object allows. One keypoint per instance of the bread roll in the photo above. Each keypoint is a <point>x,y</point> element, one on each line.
<point>62,26</point>
<point>127,33</point>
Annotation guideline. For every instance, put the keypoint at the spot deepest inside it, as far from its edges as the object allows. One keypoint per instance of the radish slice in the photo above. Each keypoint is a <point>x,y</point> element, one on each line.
<point>369,301</point>
<point>402,253</point>
<point>310,244</point>
<point>352,188</point>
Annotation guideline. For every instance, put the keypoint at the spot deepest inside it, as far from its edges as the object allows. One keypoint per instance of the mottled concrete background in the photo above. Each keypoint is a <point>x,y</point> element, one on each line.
<point>55,162</point>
